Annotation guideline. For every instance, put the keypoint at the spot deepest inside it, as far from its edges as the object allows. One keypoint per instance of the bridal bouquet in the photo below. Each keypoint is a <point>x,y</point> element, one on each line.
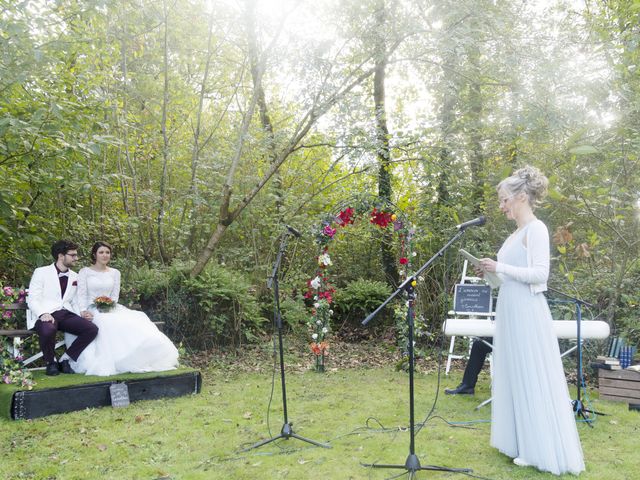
<point>104,303</point>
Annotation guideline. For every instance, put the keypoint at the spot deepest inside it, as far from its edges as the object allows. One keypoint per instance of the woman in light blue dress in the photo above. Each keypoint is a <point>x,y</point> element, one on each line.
<point>532,417</point>
<point>127,341</point>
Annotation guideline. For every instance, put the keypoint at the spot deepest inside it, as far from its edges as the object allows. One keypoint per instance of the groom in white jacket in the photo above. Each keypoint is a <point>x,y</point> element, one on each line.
<point>53,307</point>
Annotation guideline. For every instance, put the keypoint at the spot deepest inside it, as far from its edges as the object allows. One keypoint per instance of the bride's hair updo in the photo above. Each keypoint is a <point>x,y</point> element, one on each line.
<point>528,180</point>
<point>95,248</point>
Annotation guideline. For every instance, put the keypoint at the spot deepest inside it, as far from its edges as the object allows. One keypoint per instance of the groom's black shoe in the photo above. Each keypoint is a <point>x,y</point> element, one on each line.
<point>65,367</point>
<point>52,369</point>
<point>461,389</point>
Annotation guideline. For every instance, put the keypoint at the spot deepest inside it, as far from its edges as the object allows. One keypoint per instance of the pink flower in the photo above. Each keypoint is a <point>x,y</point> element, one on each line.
<point>6,314</point>
<point>328,231</point>
<point>8,291</point>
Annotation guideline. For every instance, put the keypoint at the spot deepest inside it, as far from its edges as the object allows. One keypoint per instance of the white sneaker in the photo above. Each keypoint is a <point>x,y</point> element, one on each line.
<point>520,462</point>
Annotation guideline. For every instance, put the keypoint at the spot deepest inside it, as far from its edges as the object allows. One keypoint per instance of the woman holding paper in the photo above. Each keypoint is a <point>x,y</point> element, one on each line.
<point>532,417</point>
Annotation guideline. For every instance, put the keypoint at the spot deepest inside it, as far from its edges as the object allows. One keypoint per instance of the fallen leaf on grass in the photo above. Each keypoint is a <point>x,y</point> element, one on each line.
<point>247,415</point>
<point>102,447</point>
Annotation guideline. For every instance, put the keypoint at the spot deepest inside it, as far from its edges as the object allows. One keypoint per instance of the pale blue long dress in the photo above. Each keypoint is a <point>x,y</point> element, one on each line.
<point>532,415</point>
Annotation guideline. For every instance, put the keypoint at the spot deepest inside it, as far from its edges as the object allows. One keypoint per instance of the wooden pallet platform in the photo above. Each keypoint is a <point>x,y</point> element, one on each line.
<point>619,385</point>
<point>40,402</point>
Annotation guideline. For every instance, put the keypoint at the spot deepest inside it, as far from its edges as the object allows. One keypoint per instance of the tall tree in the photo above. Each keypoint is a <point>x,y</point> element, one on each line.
<point>383,150</point>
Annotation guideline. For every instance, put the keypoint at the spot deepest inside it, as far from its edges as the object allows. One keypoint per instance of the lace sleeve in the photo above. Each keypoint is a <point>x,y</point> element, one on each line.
<point>83,291</point>
<point>115,291</point>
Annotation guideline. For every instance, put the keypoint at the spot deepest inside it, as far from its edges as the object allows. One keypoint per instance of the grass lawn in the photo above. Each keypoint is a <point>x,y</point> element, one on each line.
<point>361,412</point>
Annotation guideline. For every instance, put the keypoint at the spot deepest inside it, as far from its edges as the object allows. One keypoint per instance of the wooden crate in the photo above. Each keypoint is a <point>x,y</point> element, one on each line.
<point>619,385</point>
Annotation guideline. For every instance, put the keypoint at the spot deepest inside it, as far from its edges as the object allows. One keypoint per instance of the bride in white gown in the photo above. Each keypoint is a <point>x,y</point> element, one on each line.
<point>127,340</point>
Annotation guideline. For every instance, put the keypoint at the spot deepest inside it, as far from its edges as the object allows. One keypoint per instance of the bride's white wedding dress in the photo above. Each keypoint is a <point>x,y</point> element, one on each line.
<point>127,340</point>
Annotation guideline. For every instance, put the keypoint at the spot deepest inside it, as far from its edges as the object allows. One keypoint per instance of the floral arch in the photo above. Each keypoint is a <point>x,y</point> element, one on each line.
<point>388,218</point>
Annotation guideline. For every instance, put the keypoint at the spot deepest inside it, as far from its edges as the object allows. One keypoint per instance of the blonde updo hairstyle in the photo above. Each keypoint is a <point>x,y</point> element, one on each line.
<point>528,180</point>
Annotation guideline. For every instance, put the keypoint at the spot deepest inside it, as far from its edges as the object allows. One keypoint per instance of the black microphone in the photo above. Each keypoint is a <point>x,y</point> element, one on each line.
<point>476,222</point>
<point>293,231</point>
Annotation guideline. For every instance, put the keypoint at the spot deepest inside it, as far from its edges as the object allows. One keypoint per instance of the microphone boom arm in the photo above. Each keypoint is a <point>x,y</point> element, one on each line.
<point>411,278</point>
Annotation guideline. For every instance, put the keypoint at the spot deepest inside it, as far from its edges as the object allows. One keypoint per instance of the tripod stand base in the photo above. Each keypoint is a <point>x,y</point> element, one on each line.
<point>579,409</point>
<point>412,465</point>
<point>286,433</point>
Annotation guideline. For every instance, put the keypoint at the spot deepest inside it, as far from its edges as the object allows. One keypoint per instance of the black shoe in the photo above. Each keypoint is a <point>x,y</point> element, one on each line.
<point>64,367</point>
<point>461,389</point>
<point>52,369</point>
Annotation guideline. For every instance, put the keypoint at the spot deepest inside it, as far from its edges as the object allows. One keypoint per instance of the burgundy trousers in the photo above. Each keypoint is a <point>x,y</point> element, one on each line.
<point>65,321</point>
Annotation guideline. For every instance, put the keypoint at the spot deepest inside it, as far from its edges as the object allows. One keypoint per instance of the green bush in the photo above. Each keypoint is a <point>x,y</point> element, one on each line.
<point>219,307</point>
<point>222,301</point>
<point>358,299</point>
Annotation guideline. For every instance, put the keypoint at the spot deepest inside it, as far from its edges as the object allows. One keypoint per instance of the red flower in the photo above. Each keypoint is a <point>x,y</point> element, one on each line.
<point>380,218</point>
<point>404,261</point>
<point>345,217</point>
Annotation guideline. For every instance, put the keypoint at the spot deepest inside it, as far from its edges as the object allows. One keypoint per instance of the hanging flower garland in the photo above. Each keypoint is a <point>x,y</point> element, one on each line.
<point>320,290</point>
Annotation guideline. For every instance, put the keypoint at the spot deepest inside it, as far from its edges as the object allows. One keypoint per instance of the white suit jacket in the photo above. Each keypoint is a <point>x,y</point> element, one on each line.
<point>45,295</point>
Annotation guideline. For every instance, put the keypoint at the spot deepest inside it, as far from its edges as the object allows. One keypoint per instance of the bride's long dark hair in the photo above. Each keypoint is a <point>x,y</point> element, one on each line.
<point>95,248</point>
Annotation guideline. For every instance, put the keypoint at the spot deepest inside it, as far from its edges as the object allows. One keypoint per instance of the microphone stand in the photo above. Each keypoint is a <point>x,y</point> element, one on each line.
<point>287,431</point>
<point>412,463</point>
<point>578,406</point>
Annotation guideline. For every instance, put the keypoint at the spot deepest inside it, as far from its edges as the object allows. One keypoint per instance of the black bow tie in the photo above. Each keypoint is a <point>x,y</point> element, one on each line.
<point>63,274</point>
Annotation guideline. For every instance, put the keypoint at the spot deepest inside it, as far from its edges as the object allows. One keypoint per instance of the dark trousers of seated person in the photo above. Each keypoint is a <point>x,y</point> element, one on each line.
<point>479,352</point>
<point>65,321</point>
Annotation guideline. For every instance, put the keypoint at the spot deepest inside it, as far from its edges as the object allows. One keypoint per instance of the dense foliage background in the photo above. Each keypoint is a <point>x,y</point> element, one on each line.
<point>189,132</point>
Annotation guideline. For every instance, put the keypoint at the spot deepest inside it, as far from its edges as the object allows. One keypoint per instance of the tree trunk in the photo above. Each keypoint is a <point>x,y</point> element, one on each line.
<point>126,145</point>
<point>165,140</point>
<point>257,71</point>
<point>476,157</point>
<point>195,151</point>
<point>383,152</point>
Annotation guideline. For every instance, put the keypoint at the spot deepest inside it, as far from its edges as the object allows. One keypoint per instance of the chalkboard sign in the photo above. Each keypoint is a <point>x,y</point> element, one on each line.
<point>472,299</point>
<point>119,395</point>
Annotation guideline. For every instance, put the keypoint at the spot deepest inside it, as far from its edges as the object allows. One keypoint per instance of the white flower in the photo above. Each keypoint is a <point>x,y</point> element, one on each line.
<point>330,312</point>
<point>324,260</point>
<point>318,322</point>
<point>316,282</point>
<point>414,254</point>
<point>325,330</point>
<point>314,336</point>
<point>317,304</point>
